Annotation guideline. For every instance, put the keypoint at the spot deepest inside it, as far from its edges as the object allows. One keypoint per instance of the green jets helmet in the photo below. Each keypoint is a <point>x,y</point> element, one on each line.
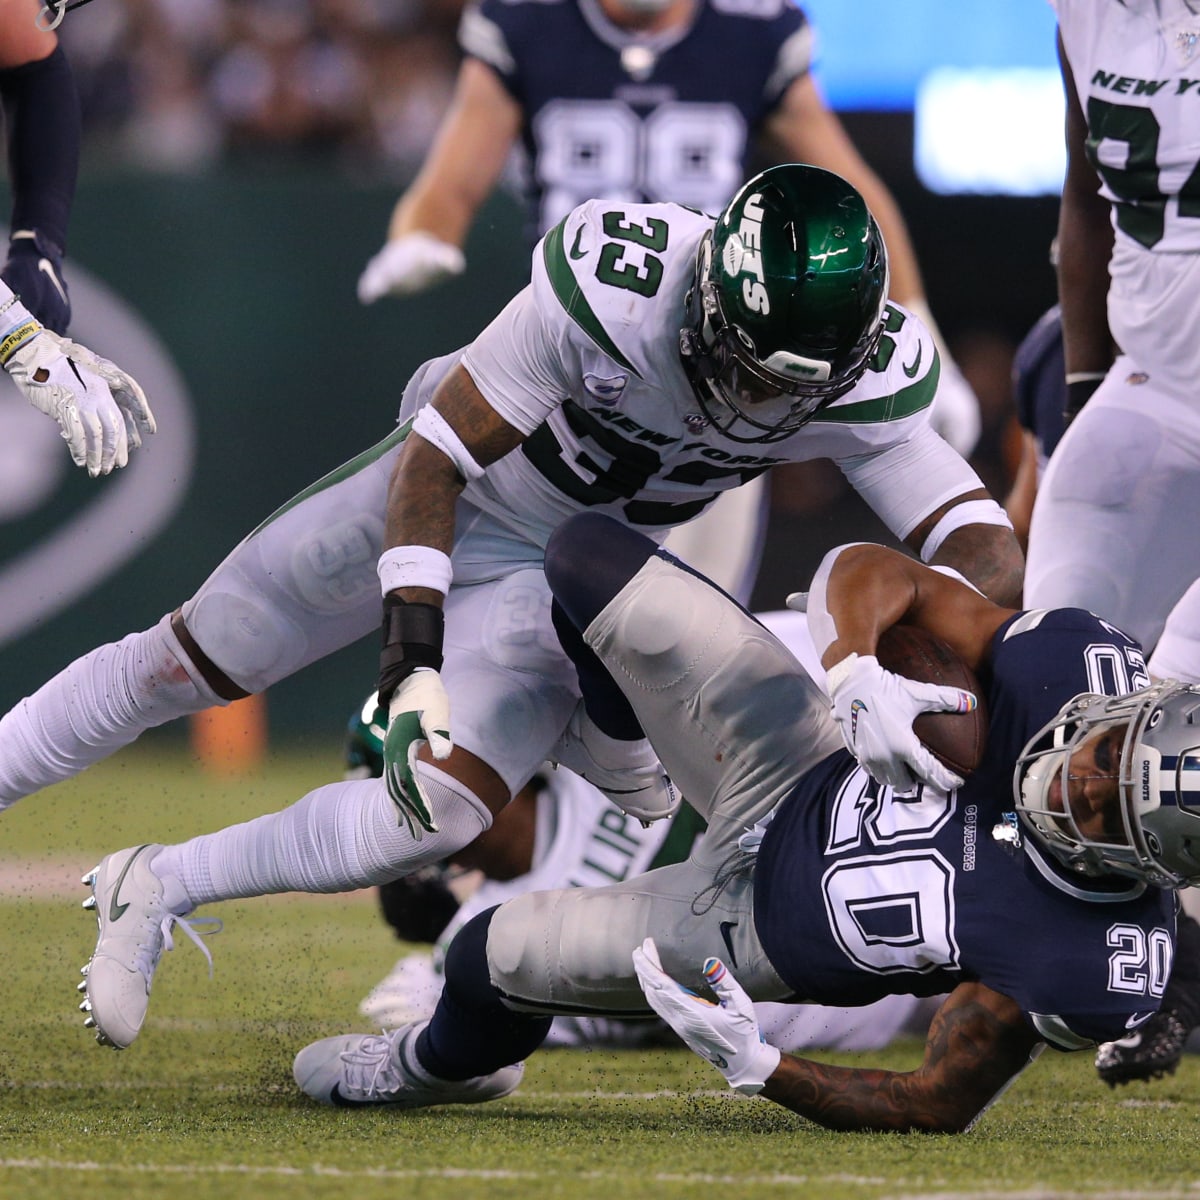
<point>363,747</point>
<point>786,308</point>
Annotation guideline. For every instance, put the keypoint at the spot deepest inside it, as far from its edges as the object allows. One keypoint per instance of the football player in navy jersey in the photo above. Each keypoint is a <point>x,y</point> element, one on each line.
<point>1037,892</point>
<point>1040,390</point>
<point>100,409</point>
<point>634,100</point>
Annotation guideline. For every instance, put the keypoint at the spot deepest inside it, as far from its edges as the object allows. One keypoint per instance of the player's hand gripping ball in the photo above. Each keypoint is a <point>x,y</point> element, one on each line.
<point>957,739</point>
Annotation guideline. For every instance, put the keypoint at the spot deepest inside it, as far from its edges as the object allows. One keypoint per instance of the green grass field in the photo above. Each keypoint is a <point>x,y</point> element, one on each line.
<point>203,1105</point>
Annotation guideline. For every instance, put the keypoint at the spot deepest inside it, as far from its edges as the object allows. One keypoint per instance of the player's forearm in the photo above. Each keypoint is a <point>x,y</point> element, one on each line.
<point>41,108</point>
<point>990,557</point>
<point>421,499</point>
<point>1085,242</point>
<point>864,1100</point>
<point>437,459</point>
<point>977,1044</point>
<point>446,216</point>
<point>1084,250</point>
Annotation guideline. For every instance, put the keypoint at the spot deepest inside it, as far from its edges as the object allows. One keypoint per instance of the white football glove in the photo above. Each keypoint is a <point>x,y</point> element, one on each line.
<point>874,710</point>
<point>101,410</point>
<point>419,713</point>
<point>725,1034</point>
<point>409,264</point>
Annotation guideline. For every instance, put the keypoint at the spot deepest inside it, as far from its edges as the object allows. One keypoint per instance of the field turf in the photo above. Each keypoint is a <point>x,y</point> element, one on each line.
<point>204,1106</point>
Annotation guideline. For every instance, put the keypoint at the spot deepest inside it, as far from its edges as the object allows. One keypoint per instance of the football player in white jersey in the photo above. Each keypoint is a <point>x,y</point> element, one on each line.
<point>620,99</point>
<point>1113,529</point>
<point>656,359</point>
<point>1112,526</point>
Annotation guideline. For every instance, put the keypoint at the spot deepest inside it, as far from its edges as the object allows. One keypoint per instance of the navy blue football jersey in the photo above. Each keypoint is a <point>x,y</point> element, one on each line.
<point>860,893</point>
<point>1040,382</point>
<point>614,115</point>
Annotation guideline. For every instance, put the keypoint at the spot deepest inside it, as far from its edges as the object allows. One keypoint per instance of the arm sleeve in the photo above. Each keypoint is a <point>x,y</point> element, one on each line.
<point>905,482</point>
<point>42,118</point>
<point>481,36</point>
<point>793,61</point>
<point>518,365</point>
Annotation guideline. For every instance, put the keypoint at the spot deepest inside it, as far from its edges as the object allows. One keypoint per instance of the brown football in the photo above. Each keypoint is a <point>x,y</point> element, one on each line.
<point>957,739</point>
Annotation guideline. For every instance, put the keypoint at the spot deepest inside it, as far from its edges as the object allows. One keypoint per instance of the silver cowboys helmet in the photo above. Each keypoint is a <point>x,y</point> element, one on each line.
<point>1156,836</point>
<point>786,307</point>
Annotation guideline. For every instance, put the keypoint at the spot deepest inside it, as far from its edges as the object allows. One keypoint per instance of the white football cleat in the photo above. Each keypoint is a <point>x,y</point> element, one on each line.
<point>135,928</point>
<point>365,1068</point>
<point>627,772</point>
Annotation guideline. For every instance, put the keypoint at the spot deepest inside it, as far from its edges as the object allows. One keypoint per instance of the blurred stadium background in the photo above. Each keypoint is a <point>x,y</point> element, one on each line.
<point>241,160</point>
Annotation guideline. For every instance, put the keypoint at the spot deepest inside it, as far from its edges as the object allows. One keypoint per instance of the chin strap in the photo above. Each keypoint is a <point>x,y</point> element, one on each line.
<point>50,17</point>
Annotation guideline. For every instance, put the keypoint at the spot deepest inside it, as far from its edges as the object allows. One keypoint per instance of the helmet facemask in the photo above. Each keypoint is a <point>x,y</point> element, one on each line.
<point>1156,818</point>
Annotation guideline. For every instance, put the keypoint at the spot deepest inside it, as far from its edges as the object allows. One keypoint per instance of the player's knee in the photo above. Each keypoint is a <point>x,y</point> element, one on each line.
<point>572,553</point>
<point>519,948</point>
<point>240,639</point>
<point>459,813</point>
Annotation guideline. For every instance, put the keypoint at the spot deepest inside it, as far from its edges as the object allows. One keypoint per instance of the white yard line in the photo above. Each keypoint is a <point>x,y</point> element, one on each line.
<point>698,1178</point>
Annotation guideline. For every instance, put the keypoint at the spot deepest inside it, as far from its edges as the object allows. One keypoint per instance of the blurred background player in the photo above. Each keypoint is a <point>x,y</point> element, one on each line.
<point>634,100</point>
<point>100,409</point>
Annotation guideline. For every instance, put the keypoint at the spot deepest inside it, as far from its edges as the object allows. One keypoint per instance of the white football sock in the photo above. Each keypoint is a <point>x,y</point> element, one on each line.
<point>101,702</point>
<point>338,838</point>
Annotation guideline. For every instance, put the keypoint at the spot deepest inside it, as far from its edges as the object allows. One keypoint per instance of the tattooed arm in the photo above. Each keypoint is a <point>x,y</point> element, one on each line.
<point>426,482</point>
<point>978,1043</point>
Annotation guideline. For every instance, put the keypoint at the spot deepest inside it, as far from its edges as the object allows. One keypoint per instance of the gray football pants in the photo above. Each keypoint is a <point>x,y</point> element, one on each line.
<point>736,721</point>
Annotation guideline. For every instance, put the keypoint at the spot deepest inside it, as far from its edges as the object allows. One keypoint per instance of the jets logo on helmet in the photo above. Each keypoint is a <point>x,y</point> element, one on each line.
<point>786,307</point>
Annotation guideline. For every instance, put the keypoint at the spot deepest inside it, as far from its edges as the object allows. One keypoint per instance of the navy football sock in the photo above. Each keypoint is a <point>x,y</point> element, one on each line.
<point>589,559</point>
<point>472,1032</point>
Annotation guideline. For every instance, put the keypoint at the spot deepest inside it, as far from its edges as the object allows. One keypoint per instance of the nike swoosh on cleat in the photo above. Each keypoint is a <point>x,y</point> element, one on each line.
<point>725,927</point>
<point>47,268</point>
<point>117,911</point>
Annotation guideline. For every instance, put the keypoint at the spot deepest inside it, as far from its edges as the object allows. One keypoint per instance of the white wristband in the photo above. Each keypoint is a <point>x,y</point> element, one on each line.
<point>835,676</point>
<point>821,624</point>
<point>436,430</point>
<point>970,512</point>
<point>415,566</point>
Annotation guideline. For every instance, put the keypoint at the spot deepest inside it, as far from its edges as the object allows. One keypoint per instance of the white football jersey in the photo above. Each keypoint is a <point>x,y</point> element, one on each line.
<point>585,361</point>
<point>1136,66</point>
